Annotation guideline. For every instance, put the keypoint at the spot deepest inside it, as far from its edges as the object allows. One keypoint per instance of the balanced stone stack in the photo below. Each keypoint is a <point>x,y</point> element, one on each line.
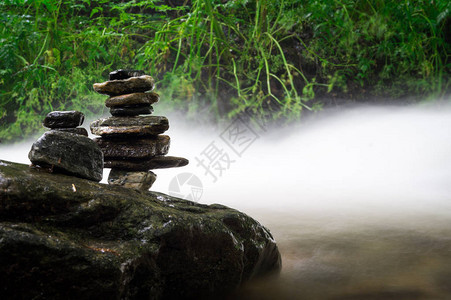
<point>132,140</point>
<point>67,148</point>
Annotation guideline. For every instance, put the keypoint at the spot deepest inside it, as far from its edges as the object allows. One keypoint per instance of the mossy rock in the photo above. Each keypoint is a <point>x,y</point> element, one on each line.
<point>63,236</point>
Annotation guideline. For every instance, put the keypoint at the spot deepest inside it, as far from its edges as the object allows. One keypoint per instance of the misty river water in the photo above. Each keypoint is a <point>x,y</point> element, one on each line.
<point>358,199</point>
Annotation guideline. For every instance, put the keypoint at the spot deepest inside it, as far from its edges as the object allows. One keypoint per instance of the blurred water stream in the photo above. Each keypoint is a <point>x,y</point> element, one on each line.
<point>358,199</point>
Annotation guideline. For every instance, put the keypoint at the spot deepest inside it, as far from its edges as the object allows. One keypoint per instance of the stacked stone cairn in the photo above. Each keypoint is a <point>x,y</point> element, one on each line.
<point>132,140</point>
<point>66,147</point>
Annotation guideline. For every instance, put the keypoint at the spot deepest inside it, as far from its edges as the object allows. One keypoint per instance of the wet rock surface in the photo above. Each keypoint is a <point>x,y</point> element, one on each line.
<point>125,86</point>
<point>131,110</point>
<point>134,148</point>
<point>129,179</point>
<point>68,152</point>
<point>78,130</point>
<point>63,119</point>
<point>66,237</point>
<point>158,162</point>
<point>121,135</point>
<point>137,126</point>
<point>132,99</point>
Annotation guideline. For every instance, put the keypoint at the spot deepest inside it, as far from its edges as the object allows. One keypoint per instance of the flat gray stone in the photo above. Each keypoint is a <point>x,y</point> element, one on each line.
<point>125,86</point>
<point>78,130</point>
<point>158,162</point>
<point>130,126</point>
<point>131,99</point>
<point>124,74</point>
<point>141,180</point>
<point>70,153</point>
<point>141,148</point>
<point>64,119</point>
<point>131,111</point>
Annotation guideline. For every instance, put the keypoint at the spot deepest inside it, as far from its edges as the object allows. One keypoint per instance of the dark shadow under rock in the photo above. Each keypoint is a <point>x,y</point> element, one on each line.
<point>157,162</point>
<point>124,74</point>
<point>131,111</point>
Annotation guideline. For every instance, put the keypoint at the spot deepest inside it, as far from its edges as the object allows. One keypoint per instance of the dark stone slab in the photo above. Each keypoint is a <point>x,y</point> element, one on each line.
<point>63,237</point>
<point>141,180</point>
<point>134,148</point>
<point>125,86</point>
<point>130,126</point>
<point>131,111</point>
<point>64,119</point>
<point>124,74</point>
<point>67,152</point>
<point>131,99</point>
<point>78,130</point>
<point>158,162</point>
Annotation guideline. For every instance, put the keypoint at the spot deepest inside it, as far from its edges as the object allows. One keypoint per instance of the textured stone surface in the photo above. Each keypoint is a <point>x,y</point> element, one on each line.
<point>134,126</point>
<point>124,74</point>
<point>64,119</point>
<point>131,99</point>
<point>131,111</point>
<point>68,152</point>
<point>130,179</point>
<point>158,162</point>
<point>125,86</point>
<point>134,148</point>
<point>62,237</point>
<point>78,130</point>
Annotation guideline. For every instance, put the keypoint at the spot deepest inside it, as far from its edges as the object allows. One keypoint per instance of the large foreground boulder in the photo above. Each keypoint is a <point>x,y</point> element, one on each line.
<point>67,237</point>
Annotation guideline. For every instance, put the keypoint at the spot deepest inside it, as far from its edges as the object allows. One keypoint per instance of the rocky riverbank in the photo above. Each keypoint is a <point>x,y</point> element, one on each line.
<point>63,236</point>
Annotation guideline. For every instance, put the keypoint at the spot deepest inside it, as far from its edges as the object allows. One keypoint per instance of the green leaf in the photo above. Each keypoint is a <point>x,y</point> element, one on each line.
<point>95,10</point>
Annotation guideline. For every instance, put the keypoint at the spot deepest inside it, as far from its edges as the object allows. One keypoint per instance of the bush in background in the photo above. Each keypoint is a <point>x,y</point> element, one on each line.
<point>273,59</point>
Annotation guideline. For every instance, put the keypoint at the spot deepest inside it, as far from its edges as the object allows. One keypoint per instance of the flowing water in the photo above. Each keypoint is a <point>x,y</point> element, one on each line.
<point>358,199</point>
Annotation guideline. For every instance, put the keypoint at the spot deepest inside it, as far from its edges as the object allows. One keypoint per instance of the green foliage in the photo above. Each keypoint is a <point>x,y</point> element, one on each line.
<point>393,44</point>
<point>270,58</point>
<point>42,66</point>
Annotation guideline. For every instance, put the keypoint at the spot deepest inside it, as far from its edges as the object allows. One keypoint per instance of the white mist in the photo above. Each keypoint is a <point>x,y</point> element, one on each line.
<point>386,161</point>
<point>359,200</point>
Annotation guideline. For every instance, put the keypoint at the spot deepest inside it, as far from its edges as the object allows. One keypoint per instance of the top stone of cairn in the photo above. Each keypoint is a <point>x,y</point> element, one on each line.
<point>118,87</point>
<point>125,74</point>
<point>64,119</point>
